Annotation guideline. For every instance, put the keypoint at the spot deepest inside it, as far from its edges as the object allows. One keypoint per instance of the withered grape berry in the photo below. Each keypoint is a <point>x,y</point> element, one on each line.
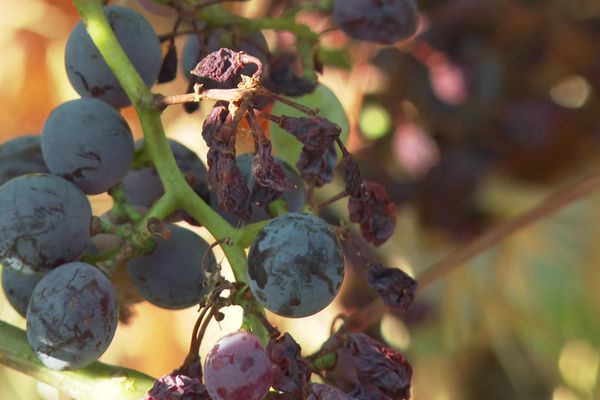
<point>19,156</point>
<point>237,368</point>
<point>18,288</point>
<point>295,265</point>
<point>72,316</point>
<point>89,143</point>
<point>380,21</point>
<point>44,222</point>
<point>172,276</point>
<point>88,72</point>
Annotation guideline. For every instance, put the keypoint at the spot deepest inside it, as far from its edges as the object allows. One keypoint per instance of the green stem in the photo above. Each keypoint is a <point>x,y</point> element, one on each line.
<point>98,379</point>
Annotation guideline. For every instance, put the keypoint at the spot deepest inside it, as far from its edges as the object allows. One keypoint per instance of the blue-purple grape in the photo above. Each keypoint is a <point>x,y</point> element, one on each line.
<point>295,265</point>
<point>18,288</point>
<point>143,186</point>
<point>19,156</point>
<point>89,143</point>
<point>173,275</point>
<point>88,72</point>
<point>44,222</point>
<point>237,368</point>
<point>380,21</point>
<point>72,316</point>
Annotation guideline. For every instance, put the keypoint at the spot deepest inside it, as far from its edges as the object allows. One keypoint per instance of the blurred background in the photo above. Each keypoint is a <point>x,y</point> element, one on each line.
<point>491,107</point>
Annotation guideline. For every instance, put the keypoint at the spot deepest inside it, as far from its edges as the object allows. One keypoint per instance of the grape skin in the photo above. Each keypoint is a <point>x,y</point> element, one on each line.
<point>143,186</point>
<point>89,143</point>
<point>295,265</point>
<point>294,197</point>
<point>18,288</point>
<point>72,316</point>
<point>237,368</point>
<point>44,222</point>
<point>253,43</point>
<point>19,156</point>
<point>88,72</point>
<point>380,21</point>
<point>172,276</point>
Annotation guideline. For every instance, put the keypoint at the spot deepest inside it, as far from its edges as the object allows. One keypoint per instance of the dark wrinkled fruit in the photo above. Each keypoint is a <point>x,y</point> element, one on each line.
<point>177,387</point>
<point>168,69</point>
<point>290,372</point>
<point>284,80</point>
<point>237,368</point>
<point>220,66</point>
<point>394,286</point>
<point>317,166</point>
<point>320,391</point>
<point>72,316</point>
<point>44,222</point>
<point>367,369</point>
<point>315,133</point>
<point>374,211</point>
<point>380,21</point>
<point>295,265</point>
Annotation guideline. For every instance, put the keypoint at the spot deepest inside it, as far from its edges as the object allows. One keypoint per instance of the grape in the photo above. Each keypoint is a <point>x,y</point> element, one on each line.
<point>320,391</point>
<point>72,316</point>
<point>253,43</point>
<point>294,197</point>
<point>157,8</point>
<point>143,186</point>
<point>381,21</point>
<point>18,288</point>
<point>295,265</point>
<point>89,143</point>
<point>44,222</point>
<point>88,72</point>
<point>173,276</point>
<point>237,368</point>
<point>19,156</point>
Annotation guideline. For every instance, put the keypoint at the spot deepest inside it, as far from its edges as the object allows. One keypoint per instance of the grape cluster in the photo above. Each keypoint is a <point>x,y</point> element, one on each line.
<point>73,275</point>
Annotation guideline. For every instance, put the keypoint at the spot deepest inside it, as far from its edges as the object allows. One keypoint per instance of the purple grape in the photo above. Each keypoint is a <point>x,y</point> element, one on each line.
<point>88,72</point>
<point>72,316</point>
<point>380,21</point>
<point>172,276</point>
<point>237,368</point>
<point>44,222</point>
<point>89,143</point>
<point>320,391</point>
<point>143,186</point>
<point>295,265</point>
<point>19,156</point>
<point>18,288</point>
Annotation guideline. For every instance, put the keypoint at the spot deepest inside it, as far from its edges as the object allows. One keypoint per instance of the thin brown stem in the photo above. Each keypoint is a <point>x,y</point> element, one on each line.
<point>332,199</point>
<point>365,317</point>
<point>551,204</point>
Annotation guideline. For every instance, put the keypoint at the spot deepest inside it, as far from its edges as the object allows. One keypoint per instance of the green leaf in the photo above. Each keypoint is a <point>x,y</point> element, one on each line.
<point>286,146</point>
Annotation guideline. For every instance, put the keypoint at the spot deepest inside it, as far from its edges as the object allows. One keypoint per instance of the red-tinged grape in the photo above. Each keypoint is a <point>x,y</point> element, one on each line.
<point>72,316</point>
<point>320,391</point>
<point>380,21</point>
<point>89,143</point>
<point>295,265</point>
<point>44,222</point>
<point>237,368</point>
<point>88,72</point>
